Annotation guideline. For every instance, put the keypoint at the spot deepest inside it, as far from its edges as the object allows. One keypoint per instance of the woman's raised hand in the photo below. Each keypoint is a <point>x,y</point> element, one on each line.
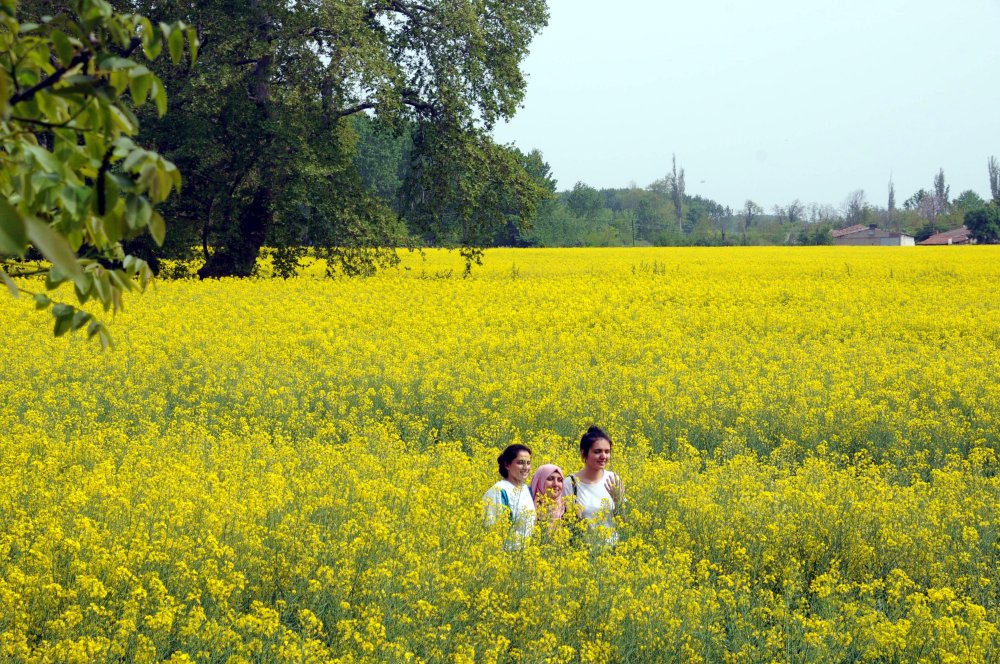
<point>616,488</point>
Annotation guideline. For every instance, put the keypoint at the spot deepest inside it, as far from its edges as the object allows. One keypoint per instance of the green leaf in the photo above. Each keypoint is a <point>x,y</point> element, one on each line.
<point>54,278</point>
<point>160,96</point>
<point>157,228</point>
<point>81,318</point>
<point>193,43</point>
<point>137,211</point>
<point>4,91</point>
<point>64,48</point>
<point>42,301</point>
<point>121,280</point>
<point>11,286</point>
<point>115,63</point>
<point>12,235</point>
<point>151,41</point>
<point>43,157</point>
<point>102,284</point>
<point>96,328</point>
<point>119,80</point>
<point>139,88</point>
<point>63,313</point>
<point>56,249</point>
<point>74,199</point>
<point>113,221</point>
<point>134,157</point>
<point>111,193</point>
<point>175,42</point>
<point>84,294</point>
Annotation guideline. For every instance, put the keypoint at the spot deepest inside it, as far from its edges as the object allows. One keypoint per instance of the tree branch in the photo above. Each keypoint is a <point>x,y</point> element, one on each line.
<point>409,99</point>
<point>135,43</point>
<point>59,125</point>
<point>50,80</point>
<point>81,58</point>
<point>354,109</point>
<point>101,186</point>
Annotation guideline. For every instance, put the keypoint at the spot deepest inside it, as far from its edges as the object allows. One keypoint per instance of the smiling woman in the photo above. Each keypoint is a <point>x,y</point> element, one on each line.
<point>598,492</point>
<point>510,498</point>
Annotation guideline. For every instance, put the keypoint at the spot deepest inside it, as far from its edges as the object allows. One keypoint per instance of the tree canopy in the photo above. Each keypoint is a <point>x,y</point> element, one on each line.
<point>264,127</point>
<point>984,223</point>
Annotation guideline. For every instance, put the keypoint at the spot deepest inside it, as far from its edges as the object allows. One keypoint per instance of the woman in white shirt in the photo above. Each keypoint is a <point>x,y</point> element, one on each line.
<point>598,492</point>
<point>510,499</point>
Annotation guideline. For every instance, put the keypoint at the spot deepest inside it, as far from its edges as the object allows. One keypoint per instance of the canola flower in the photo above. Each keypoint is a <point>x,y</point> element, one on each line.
<point>293,470</point>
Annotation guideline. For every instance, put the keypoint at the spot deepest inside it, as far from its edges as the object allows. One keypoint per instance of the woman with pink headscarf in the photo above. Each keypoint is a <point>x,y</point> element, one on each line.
<point>547,492</point>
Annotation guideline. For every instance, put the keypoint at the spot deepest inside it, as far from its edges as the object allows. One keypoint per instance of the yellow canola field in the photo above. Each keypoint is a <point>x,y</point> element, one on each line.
<point>269,470</point>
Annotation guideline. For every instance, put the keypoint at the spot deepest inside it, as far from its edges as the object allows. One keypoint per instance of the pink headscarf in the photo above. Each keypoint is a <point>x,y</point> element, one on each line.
<point>538,489</point>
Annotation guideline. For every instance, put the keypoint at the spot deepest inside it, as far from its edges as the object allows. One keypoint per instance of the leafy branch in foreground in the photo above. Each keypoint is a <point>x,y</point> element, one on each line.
<point>73,183</point>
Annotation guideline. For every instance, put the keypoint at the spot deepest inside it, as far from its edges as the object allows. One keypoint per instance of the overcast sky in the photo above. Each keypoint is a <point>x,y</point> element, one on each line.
<point>770,100</point>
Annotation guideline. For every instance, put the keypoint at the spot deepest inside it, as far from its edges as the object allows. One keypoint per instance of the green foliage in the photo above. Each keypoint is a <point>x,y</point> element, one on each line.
<point>325,123</point>
<point>966,201</point>
<point>816,234</point>
<point>463,188</point>
<point>984,223</point>
<point>73,184</point>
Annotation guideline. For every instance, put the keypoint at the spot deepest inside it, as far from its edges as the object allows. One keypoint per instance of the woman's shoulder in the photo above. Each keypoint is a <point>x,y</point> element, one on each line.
<point>503,485</point>
<point>494,491</point>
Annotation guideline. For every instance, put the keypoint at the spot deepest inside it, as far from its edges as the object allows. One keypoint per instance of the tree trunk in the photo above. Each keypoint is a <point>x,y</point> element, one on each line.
<point>239,255</point>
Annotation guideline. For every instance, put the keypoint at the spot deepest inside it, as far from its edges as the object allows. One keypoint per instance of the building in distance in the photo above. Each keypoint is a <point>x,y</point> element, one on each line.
<point>860,235</point>
<point>960,235</point>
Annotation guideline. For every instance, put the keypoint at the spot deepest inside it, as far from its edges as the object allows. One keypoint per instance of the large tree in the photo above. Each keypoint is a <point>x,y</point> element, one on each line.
<point>263,126</point>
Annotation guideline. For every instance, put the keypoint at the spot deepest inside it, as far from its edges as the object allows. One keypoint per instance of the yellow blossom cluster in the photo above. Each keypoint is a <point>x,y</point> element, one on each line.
<point>292,470</point>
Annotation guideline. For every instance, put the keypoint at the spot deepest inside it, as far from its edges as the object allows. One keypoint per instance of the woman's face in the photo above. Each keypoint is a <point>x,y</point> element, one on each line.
<point>599,455</point>
<point>519,469</point>
<point>553,484</point>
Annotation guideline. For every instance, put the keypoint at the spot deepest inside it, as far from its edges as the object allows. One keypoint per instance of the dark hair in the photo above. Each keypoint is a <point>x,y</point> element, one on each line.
<point>508,455</point>
<point>588,439</point>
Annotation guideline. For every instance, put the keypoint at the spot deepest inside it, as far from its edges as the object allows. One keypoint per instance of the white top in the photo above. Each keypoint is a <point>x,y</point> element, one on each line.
<point>594,501</point>
<point>521,515</point>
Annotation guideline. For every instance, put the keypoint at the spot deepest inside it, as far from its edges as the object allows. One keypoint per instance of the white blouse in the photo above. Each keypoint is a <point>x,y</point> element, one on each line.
<point>594,501</point>
<point>521,513</point>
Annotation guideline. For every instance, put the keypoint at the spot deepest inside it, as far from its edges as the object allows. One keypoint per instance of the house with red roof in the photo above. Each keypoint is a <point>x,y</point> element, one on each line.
<point>960,235</point>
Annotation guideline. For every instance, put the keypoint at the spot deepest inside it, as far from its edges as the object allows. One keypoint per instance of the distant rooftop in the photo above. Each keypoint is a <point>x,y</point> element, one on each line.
<point>960,235</point>
<point>850,229</point>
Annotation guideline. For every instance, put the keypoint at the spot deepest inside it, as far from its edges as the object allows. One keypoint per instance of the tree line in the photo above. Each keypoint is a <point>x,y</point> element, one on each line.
<point>663,214</point>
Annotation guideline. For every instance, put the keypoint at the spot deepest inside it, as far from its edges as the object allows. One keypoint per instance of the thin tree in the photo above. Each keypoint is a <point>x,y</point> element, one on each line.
<point>941,191</point>
<point>854,207</point>
<point>994,169</point>
<point>750,211</point>
<point>890,209</point>
<point>677,193</point>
